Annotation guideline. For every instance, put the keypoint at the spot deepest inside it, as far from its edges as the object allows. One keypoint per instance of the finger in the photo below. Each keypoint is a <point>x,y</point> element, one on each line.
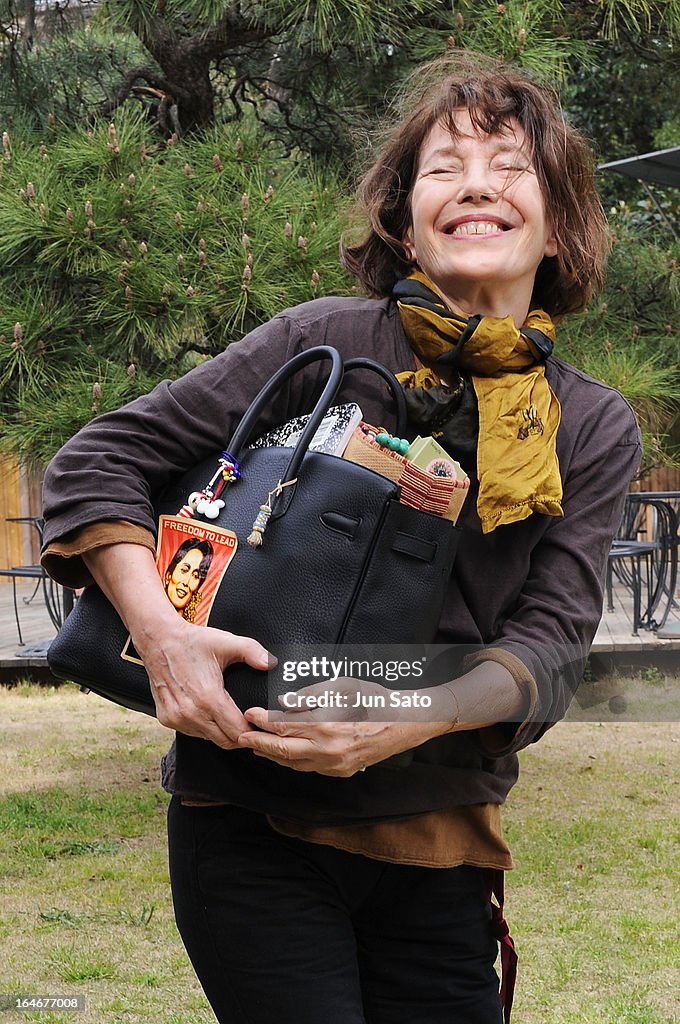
<point>213,733</point>
<point>303,718</point>
<point>245,649</point>
<point>336,693</point>
<point>289,722</point>
<point>203,709</point>
<point>229,716</point>
<point>287,748</point>
<point>347,713</point>
<point>283,724</point>
<point>200,728</point>
<point>271,721</point>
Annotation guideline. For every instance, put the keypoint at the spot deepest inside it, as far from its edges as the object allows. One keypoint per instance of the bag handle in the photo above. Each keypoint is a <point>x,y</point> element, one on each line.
<point>249,421</point>
<point>250,418</point>
<point>364,363</point>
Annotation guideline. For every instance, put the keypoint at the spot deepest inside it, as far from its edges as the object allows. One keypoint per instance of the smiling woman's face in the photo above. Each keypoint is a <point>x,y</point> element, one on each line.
<point>185,579</point>
<point>478,216</point>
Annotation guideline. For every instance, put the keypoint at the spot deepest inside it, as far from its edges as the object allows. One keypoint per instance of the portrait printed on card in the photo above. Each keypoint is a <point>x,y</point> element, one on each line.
<point>191,559</point>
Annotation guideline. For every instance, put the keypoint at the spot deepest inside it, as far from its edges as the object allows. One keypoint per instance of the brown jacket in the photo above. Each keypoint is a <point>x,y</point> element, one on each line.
<point>531,592</point>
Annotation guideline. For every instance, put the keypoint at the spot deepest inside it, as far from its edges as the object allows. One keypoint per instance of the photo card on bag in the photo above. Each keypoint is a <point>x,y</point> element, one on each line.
<point>191,559</point>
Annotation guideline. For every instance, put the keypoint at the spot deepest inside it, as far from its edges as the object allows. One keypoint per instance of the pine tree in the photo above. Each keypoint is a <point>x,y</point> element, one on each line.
<point>629,336</point>
<point>125,260</point>
<point>136,244</point>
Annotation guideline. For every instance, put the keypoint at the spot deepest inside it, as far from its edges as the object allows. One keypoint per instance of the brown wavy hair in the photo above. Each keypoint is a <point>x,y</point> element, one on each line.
<point>492,93</point>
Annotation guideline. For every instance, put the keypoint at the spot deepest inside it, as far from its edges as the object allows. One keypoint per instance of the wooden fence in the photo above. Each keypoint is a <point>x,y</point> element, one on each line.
<point>19,496</point>
<point>660,479</point>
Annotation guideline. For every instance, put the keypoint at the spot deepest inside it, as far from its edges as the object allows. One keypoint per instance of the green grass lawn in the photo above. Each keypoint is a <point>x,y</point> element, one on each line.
<point>85,904</point>
<point>594,829</point>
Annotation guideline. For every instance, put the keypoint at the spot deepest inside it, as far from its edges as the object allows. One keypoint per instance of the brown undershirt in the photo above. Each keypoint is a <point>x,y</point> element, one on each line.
<point>469,834</point>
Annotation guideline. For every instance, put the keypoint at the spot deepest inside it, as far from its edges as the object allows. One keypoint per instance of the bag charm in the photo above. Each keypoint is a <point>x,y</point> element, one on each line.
<point>208,502</point>
<point>264,515</point>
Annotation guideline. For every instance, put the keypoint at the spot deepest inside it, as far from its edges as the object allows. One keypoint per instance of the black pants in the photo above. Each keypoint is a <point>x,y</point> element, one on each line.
<point>286,932</point>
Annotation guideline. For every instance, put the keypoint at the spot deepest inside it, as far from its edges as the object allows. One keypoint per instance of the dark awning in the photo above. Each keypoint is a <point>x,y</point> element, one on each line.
<point>662,167</point>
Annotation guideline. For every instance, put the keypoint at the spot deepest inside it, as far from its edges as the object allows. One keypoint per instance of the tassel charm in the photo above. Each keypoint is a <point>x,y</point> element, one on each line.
<point>260,525</point>
<point>255,537</point>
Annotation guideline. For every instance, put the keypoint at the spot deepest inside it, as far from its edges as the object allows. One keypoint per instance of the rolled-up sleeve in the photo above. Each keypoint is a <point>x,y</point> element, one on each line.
<point>63,560</point>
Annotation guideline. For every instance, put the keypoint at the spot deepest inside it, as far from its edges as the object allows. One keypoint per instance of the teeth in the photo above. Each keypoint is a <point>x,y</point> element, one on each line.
<point>478,227</point>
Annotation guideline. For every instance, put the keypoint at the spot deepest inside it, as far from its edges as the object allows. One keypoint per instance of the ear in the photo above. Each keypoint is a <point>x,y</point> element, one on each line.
<point>551,246</point>
<point>408,243</point>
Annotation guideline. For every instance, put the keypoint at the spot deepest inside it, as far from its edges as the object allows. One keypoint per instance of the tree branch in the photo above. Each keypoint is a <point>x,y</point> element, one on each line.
<point>229,33</point>
<point>148,75</point>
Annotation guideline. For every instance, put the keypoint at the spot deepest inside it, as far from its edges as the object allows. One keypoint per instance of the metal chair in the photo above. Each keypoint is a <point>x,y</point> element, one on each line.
<point>56,600</point>
<point>625,561</point>
<point>645,557</point>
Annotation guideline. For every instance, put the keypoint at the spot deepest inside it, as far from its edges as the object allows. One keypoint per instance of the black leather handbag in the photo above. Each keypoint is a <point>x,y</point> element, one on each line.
<point>342,561</point>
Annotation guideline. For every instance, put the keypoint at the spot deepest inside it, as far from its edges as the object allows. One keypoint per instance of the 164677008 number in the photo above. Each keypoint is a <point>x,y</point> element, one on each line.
<point>48,1002</point>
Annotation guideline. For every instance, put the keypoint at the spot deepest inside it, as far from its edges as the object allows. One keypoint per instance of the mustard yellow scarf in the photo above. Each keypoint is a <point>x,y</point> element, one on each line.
<point>519,415</point>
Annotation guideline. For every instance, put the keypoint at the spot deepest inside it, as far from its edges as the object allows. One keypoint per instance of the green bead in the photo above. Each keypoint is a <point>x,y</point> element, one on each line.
<point>393,444</point>
<point>404,446</point>
<point>382,438</point>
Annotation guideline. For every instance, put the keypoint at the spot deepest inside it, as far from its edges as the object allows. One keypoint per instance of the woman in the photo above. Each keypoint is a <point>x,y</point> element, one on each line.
<point>185,575</point>
<point>320,880</point>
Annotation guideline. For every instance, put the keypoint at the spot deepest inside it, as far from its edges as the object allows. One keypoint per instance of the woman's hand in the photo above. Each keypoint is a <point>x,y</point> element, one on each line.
<point>185,665</point>
<point>362,727</point>
<point>184,662</point>
<point>367,723</point>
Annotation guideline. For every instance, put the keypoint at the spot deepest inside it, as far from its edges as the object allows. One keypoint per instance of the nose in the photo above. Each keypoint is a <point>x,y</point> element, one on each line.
<point>477,183</point>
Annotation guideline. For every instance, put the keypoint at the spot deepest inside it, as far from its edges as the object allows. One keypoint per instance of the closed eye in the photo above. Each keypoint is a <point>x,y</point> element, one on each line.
<point>516,169</point>
<point>441,171</point>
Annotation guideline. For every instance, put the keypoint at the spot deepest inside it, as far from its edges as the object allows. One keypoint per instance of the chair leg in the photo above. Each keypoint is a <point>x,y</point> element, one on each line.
<point>16,611</point>
<point>637,593</point>
<point>27,600</point>
<point>51,602</point>
<point>610,588</point>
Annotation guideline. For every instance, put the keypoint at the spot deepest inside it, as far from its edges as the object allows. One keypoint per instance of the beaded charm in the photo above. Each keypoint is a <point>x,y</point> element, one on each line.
<point>395,444</point>
<point>207,502</point>
<point>209,507</point>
